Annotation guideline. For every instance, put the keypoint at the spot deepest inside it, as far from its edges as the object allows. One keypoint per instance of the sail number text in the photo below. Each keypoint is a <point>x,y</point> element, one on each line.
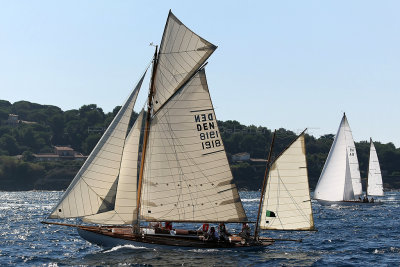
<point>209,136</point>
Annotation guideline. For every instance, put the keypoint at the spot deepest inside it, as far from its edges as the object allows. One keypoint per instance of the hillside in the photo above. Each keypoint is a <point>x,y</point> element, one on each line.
<point>37,128</point>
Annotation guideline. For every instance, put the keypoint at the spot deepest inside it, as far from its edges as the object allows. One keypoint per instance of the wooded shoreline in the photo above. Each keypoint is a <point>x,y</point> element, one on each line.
<point>38,128</point>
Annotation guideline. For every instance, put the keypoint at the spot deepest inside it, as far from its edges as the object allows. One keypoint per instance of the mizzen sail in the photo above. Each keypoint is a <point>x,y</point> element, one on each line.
<point>375,185</point>
<point>94,187</point>
<point>182,52</point>
<point>186,173</point>
<point>287,203</point>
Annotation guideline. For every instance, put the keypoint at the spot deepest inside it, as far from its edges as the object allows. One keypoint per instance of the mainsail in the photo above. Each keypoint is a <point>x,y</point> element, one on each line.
<point>353,159</point>
<point>94,187</point>
<point>124,211</point>
<point>182,53</point>
<point>335,182</point>
<point>186,173</point>
<point>375,186</point>
<point>286,203</point>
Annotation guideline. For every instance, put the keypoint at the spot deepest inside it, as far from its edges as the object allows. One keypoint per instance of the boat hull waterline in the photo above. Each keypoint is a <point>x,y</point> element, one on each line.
<point>108,238</point>
<point>347,203</point>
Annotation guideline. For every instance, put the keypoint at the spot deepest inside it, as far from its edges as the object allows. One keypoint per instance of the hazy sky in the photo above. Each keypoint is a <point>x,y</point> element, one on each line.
<point>290,64</point>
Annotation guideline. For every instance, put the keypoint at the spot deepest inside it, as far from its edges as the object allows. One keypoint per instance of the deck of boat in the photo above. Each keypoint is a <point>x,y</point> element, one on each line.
<point>148,238</point>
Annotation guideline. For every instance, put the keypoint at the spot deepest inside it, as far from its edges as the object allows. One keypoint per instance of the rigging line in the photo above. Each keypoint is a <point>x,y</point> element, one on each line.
<point>292,198</point>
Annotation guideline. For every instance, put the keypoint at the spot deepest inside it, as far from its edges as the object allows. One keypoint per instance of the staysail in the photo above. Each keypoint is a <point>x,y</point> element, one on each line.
<point>182,52</point>
<point>124,211</point>
<point>186,173</point>
<point>287,203</point>
<point>335,182</point>
<point>93,189</point>
<point>375,185</point>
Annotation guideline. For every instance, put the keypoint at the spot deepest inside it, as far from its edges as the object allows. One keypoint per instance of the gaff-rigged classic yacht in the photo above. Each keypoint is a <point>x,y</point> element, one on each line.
<point>172,166</point>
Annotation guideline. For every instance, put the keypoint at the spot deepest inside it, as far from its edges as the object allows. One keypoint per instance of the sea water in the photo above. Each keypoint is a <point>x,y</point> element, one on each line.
<point>352,235</point>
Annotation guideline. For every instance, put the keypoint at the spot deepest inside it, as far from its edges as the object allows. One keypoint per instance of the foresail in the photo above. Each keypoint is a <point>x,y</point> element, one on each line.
<point>375,185</point>
<point>332,182</point>
<point>182,52</point>
<point>287,203</point>
<point>186,173</point>
<point>93,189</point>
<point>353,159</point>
<point>125,200</point>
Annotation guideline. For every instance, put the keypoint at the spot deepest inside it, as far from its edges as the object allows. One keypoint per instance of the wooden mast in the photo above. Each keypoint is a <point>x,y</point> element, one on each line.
<point>264,184</point>
<point>146,135</point>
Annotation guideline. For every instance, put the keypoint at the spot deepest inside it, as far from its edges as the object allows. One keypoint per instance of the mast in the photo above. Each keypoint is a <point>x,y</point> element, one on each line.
<point>146,135</point>
<point>264,184</point>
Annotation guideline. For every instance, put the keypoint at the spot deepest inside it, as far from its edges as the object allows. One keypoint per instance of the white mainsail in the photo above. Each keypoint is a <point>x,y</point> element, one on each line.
<point>335,182</point>
<point>93,189</point>
<point>125,200</point>
<point>182,52</point>
<point>186,173</point>
<point>353,159</point>
<point>375,185</point>
<point>287,203</point>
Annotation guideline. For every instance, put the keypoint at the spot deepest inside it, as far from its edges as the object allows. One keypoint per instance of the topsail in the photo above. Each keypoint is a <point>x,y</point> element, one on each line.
<point>182,53</point>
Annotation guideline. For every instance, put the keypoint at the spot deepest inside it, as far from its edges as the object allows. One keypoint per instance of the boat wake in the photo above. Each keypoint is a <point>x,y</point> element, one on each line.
<point>251,200</point>
<point>116,248</point>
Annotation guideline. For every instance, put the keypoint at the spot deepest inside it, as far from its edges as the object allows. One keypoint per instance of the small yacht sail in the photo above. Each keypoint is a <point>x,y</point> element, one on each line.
<point>335,182</point>
<point>93,189</point>
<point>375,185</point>
<point>287,203</point>
<point>353,159</point>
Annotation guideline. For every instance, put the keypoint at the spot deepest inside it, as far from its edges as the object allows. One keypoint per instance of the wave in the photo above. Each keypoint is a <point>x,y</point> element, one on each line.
<point>116,248</point>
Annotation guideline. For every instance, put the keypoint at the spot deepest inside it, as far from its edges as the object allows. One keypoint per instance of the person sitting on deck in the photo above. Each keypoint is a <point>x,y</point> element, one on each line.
<point>365,200</point>
<point>203,228</point>
<point>168,225</point>
<point>212,235</point>
<point>154,225</point>
<point>372,200</point>
<point>359,199</point>
<point>223,233</point>
<point>245,233</point>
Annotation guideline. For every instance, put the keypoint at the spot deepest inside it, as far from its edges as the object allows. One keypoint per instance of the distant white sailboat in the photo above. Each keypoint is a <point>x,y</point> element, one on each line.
<point>340,180</point>
<point>375,185</point>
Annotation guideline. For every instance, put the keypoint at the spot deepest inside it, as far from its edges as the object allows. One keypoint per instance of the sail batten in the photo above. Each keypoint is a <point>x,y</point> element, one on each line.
<point>92,189</point>
<point>286,202</point>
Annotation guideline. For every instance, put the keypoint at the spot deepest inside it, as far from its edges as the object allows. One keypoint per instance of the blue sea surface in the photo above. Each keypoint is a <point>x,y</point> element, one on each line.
<point>355,235</point>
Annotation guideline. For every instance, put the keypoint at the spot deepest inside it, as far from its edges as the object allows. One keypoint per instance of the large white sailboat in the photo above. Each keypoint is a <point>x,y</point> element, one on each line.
<point>374,184</point>
<point>170,167</point>
<point>340,180</point>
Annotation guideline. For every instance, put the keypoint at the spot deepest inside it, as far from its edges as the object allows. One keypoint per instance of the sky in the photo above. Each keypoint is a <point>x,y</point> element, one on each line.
<point>279,64</point>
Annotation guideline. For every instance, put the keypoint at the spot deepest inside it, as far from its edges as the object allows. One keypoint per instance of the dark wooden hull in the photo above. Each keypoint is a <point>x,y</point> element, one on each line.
<point>114,236</point>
